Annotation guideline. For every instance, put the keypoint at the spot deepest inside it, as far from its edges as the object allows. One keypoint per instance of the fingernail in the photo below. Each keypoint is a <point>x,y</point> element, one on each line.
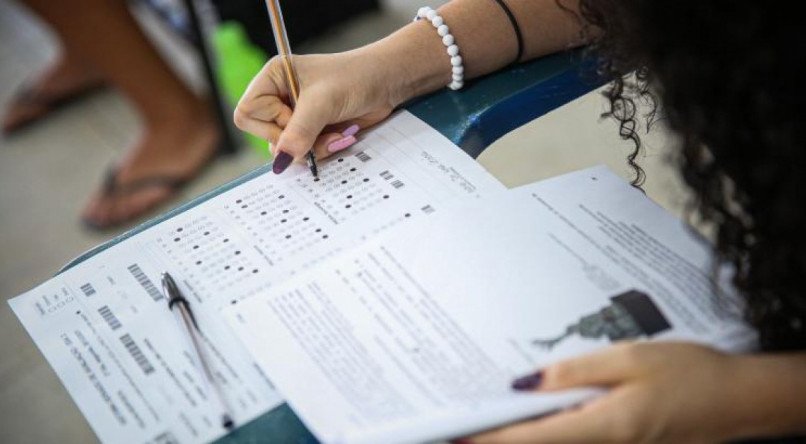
<point>351,130</point>
<point>529,382</point>
<point>281,162</point>
<point>341,144</point>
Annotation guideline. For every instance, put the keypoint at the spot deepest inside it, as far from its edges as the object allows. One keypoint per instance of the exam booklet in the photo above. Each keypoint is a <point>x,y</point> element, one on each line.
<point>104,324</point>
<point>416,334</point>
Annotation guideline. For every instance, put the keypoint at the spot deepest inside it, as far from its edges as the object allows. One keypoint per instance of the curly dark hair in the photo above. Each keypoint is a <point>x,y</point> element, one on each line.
<point>728,76</point>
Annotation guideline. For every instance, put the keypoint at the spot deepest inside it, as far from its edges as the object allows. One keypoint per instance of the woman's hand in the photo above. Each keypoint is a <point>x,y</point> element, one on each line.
<point>340,93</point>
<point>659,392</point>
<point>361,87</point>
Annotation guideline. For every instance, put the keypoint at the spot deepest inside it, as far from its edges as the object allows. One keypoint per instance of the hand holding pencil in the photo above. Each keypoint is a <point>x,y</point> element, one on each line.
<point>313,103</point>
<point>291,79</point>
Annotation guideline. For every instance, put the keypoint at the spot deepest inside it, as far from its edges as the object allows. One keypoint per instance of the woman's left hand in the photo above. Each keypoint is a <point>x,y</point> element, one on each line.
<point>658,392</point>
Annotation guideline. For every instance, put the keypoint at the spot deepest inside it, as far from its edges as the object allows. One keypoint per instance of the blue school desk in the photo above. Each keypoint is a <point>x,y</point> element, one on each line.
<point>472,118</point>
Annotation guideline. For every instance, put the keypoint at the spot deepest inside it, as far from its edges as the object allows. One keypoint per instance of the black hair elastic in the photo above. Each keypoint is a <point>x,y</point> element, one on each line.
<point>515,28</point>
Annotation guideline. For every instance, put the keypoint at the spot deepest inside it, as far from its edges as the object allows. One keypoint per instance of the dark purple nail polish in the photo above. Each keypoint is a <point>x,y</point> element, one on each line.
<point>281,162</point>
<point>529,382</point>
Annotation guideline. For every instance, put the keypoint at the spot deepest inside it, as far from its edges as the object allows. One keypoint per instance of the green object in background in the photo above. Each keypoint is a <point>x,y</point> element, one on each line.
<point>238,61</point>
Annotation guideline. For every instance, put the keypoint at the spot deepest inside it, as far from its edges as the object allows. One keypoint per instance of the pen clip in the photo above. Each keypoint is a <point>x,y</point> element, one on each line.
<point>175,297</point>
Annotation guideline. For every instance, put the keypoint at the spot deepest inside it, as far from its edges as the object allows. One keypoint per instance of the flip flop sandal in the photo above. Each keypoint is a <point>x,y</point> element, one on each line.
<point>112,188</point>
<point>27,95</point>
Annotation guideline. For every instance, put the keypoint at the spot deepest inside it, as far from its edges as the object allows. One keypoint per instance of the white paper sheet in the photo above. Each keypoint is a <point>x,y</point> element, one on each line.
<point>105,327</point>
<point>405,340</point>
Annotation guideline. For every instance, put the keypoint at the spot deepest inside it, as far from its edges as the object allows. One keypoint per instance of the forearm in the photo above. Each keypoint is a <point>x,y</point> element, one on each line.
<point>417,62</point>
<point>770,395</point>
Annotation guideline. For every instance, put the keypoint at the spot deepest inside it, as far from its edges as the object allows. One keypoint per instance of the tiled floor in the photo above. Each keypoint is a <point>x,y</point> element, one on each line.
<point>47,172</point>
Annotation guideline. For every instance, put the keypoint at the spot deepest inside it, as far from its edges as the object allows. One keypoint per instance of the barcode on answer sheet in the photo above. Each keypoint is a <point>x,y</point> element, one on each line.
<point>109,317</point>
<point>137,354</point>
<point>386,175</point>
<point>397,183</point>
<point>362,156</point>
<point>428,209</point>
<point>88,289</point>
<point>145,282</point>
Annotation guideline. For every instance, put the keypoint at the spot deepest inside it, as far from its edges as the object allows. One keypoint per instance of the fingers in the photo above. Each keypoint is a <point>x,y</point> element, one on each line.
<point>261,110</point>
<point>611,418</point>
<point>264,130</point>
<point>325,145</point>
<point>264,108</point>
<point>306,123</point>
<point>573,426</point>
<point>312,125</point>
<point>268,82</point>
<point>603,368</point>
<point>263,116</point>
<point>344,135</point>
<point>335,140</point>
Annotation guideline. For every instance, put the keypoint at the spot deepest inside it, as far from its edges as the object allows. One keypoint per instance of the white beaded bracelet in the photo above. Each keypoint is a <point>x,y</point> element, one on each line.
<point>450,44</point>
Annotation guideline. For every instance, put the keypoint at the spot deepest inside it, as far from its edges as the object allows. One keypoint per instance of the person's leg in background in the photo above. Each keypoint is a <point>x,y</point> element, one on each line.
<point>179,130</point>
<point>66,79</point>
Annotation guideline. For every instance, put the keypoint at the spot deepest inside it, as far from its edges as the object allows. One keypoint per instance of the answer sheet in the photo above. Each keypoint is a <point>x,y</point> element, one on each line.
<point>403,341</point>
<point>104,324</point>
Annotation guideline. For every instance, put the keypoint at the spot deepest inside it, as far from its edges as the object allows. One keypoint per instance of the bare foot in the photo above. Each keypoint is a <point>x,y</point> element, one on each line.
<point>176,149</point>
<point>66,77</point>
